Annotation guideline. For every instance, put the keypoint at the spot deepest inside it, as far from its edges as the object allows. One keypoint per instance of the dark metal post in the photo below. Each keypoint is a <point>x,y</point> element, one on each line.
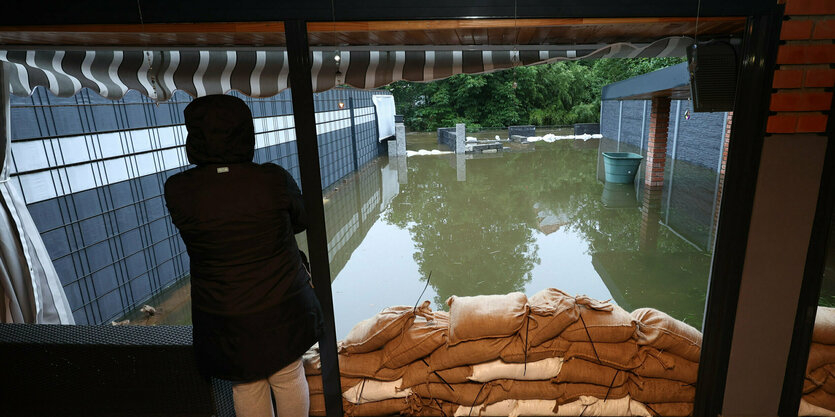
<point>301,87</point>
<point>354,147</point>
<point>744,153</point>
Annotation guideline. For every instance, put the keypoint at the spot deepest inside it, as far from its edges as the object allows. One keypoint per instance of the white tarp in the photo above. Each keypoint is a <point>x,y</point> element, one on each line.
<point>385,115</point>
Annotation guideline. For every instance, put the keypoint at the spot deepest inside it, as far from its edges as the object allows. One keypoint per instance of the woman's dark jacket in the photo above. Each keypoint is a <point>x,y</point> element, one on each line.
<point>253,308</point>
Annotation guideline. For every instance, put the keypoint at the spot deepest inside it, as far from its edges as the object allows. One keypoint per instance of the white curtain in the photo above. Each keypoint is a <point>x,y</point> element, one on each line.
<point>30,291</point>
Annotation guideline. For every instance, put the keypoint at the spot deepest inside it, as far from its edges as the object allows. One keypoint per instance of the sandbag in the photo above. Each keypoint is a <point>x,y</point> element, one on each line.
<point>486,316</point>
<point>623,356</point>
<point>587,372</point>
<point>317,405</point>
<point>821,398</point>
<point>370,390</point>
<point>372,333</point>
<point>429,407</point>
<point>552,311</point>
<point>501,408</point>
<point>659,330</point>
<point>534,408</point>
<point>420,373</point>
<point>573,391</point>
<point>823,377</point>
<point>467,353</point>
<point>603,322</point>
<point>498,369</point>
<point>657,364</point>
<point>509,389</point>
<point>463,394</point>
<point>416,342</point>
<point>311,361</point>
<point>824,331</point>
<point>593,406</point>
<point>378,408</point>
<point>657,390</point>
<point>807,409</point>
<point>671,409</point>
<point>515,351</point>
<point>362,365</point>
<point>820,355</point>
<point>314,383</point>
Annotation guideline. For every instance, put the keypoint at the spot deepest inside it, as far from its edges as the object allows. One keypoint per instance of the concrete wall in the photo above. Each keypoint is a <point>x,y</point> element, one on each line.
<point>92,171</point>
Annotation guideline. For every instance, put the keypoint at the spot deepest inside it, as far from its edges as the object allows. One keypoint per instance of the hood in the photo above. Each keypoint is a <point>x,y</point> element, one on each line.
<point>220,130</point>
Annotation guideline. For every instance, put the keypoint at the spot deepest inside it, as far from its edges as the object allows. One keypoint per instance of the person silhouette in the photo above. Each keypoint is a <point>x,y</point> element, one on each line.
<point>254,311</point>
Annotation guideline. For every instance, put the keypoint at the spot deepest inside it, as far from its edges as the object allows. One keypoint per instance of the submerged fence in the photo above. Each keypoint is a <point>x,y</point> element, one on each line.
<point>92,172</point>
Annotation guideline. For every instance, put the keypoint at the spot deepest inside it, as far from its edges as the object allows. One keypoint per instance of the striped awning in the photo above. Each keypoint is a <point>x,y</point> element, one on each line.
<point>263,73</point>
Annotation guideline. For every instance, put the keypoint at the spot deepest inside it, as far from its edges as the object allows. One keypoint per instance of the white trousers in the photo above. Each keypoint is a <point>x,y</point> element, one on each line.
<point>289,386</point>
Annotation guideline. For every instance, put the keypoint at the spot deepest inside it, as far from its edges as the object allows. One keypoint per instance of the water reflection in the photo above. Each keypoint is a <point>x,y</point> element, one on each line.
<point>512,221</point>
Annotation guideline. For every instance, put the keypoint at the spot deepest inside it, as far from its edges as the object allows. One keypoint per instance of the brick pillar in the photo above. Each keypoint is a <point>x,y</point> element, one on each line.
<point>659,121</point>
<point>723,162</point>
<point>656,158</point>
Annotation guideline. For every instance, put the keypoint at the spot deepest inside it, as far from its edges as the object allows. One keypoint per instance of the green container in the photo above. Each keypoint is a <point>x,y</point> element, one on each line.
<point>621,167</point>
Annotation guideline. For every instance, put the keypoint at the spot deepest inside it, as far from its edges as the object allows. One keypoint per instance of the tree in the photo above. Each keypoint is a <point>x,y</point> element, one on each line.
<point>559,93</point>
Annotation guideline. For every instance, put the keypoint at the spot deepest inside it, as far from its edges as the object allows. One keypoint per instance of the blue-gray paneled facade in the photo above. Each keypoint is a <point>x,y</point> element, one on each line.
<point>694,150</point>
<point>92,173</point>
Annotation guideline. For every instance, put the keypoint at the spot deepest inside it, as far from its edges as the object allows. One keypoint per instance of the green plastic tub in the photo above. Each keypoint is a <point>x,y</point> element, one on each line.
<point>621,167</point>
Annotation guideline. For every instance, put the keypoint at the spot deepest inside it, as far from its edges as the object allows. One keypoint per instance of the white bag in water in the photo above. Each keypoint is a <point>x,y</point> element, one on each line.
<point>501,408</point>
<point>592,406</point>
<point>498,369</point>
<point>374,390</point>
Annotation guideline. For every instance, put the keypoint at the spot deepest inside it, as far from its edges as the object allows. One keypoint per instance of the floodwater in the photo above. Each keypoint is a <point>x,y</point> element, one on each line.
<point>427,227</point>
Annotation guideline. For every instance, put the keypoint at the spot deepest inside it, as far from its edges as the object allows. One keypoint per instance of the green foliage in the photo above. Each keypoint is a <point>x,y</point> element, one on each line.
<point>560,93</point>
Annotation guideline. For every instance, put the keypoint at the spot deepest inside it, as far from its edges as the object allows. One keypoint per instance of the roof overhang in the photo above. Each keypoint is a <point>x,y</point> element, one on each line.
<point>673,82</point>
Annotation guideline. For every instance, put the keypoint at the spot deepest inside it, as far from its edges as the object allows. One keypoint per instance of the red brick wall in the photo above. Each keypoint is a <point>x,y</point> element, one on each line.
<point>805,71</point>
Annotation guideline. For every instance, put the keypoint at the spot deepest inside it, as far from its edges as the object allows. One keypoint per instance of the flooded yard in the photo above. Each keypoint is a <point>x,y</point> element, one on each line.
<point>521,220</point>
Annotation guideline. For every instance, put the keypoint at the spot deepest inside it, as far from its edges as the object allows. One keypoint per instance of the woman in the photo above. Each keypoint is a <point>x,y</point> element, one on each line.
<point>253,307</point>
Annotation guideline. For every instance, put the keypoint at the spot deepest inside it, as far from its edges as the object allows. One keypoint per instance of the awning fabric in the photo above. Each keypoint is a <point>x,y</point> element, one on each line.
<point>158,73</point>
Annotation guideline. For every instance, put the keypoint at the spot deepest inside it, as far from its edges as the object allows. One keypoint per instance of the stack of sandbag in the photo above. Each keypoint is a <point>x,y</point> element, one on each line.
<point>554,354</point>
<point>819,386</point>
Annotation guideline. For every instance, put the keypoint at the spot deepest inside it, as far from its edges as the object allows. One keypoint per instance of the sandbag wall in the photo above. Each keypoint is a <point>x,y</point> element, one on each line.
<point>819,386</point>
<point>507,355</point>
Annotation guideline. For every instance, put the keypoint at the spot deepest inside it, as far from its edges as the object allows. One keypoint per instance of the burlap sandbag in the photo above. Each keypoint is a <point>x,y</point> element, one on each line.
<point>515,351</point>
<point>573,391</point>
<point>657,390</point>
<point>314,383</point>
<point>587,372</point>
<point>659,330</point>
<point>623,356</point>
<point>467,353</point>
<point>317,405</point>
<point>419,372</point>
<point>372,333</point>
<point>499,409</point>
<point>657,364</point>
<point>592,406</point>
<point>509,389</point>
<point>463,394</point>
<point>417,342</point>
<point>821,398</point>
<point>362,365</point>
<point>823,377</point>
<point>603,322</point>
<point>807,409</point>
<point>670,409</point>
<point>552,311</point>
<point>311,362</point>
<point>388,407</point>
<point>824,331</point>
<point>820,355</point>
<point>483,316</point>
<point>429,407</point>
